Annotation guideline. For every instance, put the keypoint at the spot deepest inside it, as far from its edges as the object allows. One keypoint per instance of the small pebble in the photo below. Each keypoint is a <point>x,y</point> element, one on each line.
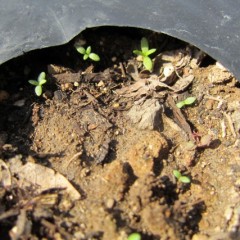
<point>115,105</point>
<point>117,133</point>
<point>19,103</point>
<point>110,203</point>
<point>59,95</point>
<point>114,59</point>
<point>209,104</point>
<point>66,86</point>
<point>101,84</point>
<point>76,84</point>
<point>168,70</point>
<point>199,237</point>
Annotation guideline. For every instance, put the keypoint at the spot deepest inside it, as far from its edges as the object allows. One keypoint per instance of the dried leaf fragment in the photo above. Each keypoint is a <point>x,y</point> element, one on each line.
<point>43,177</point>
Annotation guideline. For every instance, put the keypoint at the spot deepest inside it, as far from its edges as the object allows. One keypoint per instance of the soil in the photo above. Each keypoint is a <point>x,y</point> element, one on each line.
<point>93,157</point>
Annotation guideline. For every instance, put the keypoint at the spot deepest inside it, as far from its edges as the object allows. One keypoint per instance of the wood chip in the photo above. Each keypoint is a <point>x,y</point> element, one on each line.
<point>147,115</point>
<point>5,175</point>
<point>179,118</point>
<point>183,83</point>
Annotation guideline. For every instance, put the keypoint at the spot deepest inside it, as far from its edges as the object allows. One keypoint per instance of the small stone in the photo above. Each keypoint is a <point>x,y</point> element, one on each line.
<point>59,95</point>
<point>92,126</point>
<point>110,203</point>
<point>218,75</point>
<point>101,84</point>
<point>115,105</point>
<point>209,104</point>
<point>19,103</point>
<point>200,237</point>
<point>117,133</point>
<point>66,86</point>
<point>76,84</point>
<point>147,115</point>
<point>205,141</point>
<point>228,213</point>
<point>114,59</point>
<point>168,70</point>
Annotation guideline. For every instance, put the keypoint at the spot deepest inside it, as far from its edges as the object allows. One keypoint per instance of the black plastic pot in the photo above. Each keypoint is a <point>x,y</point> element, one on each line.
<point>213,26</point>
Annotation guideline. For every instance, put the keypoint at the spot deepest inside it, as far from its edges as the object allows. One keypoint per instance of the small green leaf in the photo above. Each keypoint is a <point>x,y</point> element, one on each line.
<point>187,101</point>
<point>137,52</point>
<point>88,50</point>
<point>144,45</point>
<point>33,82</point>
<point>42,81</point>
<point>81,50</point>
<point>151,51</point>
<point>180,104</point>
<point>38,90</point>
<point>94,57</point>
<point>190,100</point>
<point>85,57</point>
<point>184,179</point>
<point>177,174</point>
<point>134,236</point>
<point>41,76</point>
<point>147,62</point>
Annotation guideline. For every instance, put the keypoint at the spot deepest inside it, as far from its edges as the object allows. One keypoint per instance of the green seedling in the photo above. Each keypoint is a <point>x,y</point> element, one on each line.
<point>134,236</point>
<point>180,177</point>
<point>87,53</point>
<point>38,83</point>
<point>187,101</point>
<point>145,52</point>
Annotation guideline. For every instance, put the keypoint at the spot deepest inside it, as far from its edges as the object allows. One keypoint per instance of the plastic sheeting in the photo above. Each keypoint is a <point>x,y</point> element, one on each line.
<point>213,25</point>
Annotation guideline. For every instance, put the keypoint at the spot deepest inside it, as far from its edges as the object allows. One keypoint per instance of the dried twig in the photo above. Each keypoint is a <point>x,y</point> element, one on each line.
<point>230,123</point>
<point>122,69</point>
<point>223,125</point>
<point>74,157</point>
<point>180,118</point>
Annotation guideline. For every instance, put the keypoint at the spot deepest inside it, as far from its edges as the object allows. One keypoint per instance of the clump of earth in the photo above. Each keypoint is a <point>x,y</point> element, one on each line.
<point>93,156</point>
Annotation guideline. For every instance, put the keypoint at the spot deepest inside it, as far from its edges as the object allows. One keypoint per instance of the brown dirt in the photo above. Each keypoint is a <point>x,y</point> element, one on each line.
<point>118,143</point>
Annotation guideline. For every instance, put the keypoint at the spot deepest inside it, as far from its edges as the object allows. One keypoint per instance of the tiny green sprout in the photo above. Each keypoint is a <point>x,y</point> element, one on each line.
<point>187,101</point>
<point>134,236</point>
<point>87,53</point>
<point>180,177</point>
<point>38,83</point>
<point>145,52</point>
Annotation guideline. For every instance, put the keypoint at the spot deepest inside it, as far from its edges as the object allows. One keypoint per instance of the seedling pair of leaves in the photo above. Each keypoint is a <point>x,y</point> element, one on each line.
<point>187,101</point>
<point>87,53</point>
<point>38,83</point>
<point>134,236</point>
<point>145,52</point>
<point>180,177</point>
